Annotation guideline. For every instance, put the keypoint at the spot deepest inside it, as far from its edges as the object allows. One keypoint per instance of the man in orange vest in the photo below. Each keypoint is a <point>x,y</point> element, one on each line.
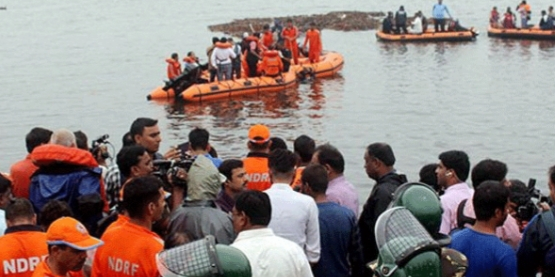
<point>24,243</point>
<point>143,198</point>
<point>267,36</point>
<point>290,34</point>
<point>68,242</point>
<point>256,162</point>
<point>315,43</point>
<point>174,67</point>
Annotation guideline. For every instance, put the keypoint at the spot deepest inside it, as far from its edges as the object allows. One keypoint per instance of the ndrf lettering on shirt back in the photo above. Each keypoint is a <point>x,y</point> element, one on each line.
<point>258,177</point>
<point>119,265</point>
<point>21,265</point>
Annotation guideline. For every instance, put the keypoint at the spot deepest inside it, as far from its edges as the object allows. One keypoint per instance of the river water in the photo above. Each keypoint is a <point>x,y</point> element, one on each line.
<point>88,65</point>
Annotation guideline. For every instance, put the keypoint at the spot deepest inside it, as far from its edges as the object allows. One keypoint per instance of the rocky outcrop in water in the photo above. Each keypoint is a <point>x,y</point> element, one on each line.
<point>340,21</point>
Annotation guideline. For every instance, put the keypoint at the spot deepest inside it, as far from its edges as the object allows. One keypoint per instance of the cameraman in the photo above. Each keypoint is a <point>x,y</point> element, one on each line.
<point>144,132</point>
<point>537,250</point>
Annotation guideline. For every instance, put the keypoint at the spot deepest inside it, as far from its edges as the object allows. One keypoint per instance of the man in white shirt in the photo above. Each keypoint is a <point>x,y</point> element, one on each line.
<point>221,59</point>
<point>452,172</point>
<point>268,254</point>
<point>294,215</point>
<point>417,24</point>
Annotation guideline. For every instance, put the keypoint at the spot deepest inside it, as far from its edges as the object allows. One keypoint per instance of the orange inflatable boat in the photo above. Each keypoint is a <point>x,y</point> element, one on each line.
<point>428,36</point>
<point>329,64</point>
<point>193,91</point>
<point>517,33</point>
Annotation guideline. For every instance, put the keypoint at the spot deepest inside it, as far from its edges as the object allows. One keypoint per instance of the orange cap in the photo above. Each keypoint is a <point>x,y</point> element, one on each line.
<point>259,134</point>
<point>68,231</point>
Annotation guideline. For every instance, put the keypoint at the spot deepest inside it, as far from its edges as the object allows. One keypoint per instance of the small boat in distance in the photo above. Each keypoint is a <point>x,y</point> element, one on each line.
<point>518,33</point>
<point>429,36</point>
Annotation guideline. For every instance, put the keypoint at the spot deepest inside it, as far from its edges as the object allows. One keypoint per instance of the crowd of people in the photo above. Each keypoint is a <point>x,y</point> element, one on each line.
<point>399,24</point>
<point>524,12</point>
<point>266,53</point>
<point>66,211</point>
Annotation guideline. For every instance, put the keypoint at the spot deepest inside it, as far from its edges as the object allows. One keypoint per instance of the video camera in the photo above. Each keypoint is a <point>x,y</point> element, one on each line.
<point>527,210</point>
<point>165,169</point>
<point>99,146</point>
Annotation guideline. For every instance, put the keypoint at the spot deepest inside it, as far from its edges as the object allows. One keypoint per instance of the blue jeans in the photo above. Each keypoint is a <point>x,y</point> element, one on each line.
<point>224,70</point>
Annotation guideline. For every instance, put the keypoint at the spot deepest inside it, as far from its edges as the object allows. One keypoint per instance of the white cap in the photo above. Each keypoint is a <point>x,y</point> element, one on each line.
<point>245,35</point>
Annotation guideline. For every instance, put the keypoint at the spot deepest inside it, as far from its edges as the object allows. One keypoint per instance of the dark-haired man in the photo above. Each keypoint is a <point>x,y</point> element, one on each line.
<point>493,170</point>
<point>304,147</point>
<point>378,163</point>
<point>68,242</point>
<point>294,215</point>
<point>339,189</point>
<point>486,254</point>
<point>268,254</point>
<point>24,244</point>
<point>235,183</point>
<point>341,252</point>
<point>143,199</point>
<point>21,171</point>
<point>452,172</point>
<point>536,252</point>
<point>146,133</point>
<point>199,145</point>
<point>256,162</point>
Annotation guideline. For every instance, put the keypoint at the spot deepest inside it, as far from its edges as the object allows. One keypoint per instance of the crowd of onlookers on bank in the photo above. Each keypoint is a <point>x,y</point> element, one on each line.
<point>66,210</point>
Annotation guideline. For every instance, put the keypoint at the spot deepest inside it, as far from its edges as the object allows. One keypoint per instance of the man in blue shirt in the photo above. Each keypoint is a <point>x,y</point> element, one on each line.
<point>487,255</point>
<point>438,12</point>
<point>341,252</point>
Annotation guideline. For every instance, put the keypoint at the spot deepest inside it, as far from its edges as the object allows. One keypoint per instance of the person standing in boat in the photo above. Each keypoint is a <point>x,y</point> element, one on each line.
<point>387,24</point>
<point>417,24</point>
<point>236,62</point>
<point>438,12</point>
<point>401,20</point>
<point>290,34</point>
<point>315,43</point>
<point>524,10</point>
<point>509,19</point>
<point>494,18</point>
<point>174,68</point>
<point>221,59</point>
<point>213,70</point>
<point>546,22</point>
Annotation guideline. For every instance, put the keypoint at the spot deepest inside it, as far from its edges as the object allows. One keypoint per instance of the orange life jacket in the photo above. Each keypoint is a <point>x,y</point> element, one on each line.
<point>258,173</point>
<point>268,39</point>
<point>189,60</point>
<point>48,154</point>
<point>223,45</point>
<point>271,63</point>
<point>174,68</point>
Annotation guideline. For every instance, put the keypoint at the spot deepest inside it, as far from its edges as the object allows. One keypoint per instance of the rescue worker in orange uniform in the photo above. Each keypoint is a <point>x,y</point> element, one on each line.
<point>315,43</point>
<point>290,34</point>
<point>24,243</point>
<point>256,162</point>
<point>271,64</point>
<point>267,37</point>
<point>143,198</point>
<point>68,242</point>
<point>174,67</point>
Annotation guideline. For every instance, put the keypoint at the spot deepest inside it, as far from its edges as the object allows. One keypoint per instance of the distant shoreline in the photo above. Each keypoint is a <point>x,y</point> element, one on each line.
<point>340,21</point>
